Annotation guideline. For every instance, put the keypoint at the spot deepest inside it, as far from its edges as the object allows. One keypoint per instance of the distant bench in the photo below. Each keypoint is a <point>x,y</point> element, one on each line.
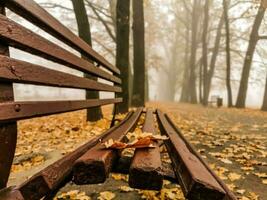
<point>216,100</point>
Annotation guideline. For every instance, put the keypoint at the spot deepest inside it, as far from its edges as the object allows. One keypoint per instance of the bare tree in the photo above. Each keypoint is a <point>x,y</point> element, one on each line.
<point>254,37</point>
<point>138,97</point>
<point>122,55</point>
<point>205,54</point>
<point>192,65</point>
<point>213,59</point>
<point>185,91</point>
<point>93,114</point>
<point>228,53</point>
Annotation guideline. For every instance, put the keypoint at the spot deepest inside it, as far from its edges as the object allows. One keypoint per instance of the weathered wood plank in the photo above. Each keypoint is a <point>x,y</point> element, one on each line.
<point>12,111</point>
<point>195,179</point>
<point>8,132</point>
<point>41,18</point>
<point>145,171</point>
<point>12,70</point>
<point>50,178</point>
<point>94,166</point>
<point>19,37</point>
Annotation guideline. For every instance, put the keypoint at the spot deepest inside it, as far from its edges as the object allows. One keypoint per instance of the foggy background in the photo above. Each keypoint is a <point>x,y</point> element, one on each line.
<point>164,23</point>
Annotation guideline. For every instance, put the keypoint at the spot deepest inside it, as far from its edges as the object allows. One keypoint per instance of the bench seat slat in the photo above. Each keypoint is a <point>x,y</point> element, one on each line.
<point>12,111</point>
<point>195,179</point>
<point>41,18</point>
<point>50,178</point>
<point>94,166</point>
<point>17,71</point>
<point>145,170</point>
<point>19,37</point>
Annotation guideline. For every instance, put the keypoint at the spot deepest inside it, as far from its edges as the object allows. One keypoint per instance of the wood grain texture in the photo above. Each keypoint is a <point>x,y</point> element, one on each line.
<point>12,70</point>
<point>13,111</point>
<point>19,37</point>
<point>145,171</point>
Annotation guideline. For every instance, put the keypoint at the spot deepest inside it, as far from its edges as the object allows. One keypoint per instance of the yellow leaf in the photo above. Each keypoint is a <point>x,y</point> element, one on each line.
<point>234,176</point>
<point>106,195</point>
<point>126,189</point>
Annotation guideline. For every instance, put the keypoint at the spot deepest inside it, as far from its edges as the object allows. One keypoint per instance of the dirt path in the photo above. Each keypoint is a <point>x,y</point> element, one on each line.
<point>232,141</point>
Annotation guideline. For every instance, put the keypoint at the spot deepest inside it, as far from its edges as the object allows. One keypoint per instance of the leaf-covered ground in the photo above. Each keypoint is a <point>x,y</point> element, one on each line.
<point>232,141</point>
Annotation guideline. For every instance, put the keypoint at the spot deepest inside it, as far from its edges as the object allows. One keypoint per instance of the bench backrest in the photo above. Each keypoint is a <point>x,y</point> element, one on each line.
<point>16,71</point>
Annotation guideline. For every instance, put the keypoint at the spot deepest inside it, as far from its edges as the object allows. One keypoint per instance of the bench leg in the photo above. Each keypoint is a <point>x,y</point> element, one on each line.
<point>8,140</point>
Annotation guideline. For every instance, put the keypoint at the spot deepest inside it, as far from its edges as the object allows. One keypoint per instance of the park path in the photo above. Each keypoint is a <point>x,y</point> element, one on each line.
<point>232,141</point>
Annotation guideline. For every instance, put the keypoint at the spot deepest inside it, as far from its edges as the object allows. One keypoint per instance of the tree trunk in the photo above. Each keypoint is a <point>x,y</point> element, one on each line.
<point>201,81</point>
<point>93,114</point>
<point>242,93</point>
<point>122,54</point>
<point>205,53</point>
<point>214,58</point>
<point>192,65</point>
<point>185,91</point>
<point>264,104</point>
<point>228,54</point>
<point>138,98</point>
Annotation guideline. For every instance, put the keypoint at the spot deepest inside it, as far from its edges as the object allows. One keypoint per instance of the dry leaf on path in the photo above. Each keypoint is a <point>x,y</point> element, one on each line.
<point>126,188</point>
<point>234,176</point>
<point>72,195</point>
<point>106,195</point>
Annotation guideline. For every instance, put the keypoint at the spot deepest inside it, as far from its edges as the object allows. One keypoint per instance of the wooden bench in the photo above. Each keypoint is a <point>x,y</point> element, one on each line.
<point>90,163</point>
<point>216,100</point>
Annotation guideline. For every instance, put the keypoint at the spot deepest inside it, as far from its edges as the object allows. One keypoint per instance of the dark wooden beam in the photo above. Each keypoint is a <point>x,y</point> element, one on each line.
<point>12,111</point>
<point>145,171</point>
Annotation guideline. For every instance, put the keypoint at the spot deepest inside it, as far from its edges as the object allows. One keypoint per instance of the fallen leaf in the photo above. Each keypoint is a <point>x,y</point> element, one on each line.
<point>106,195</point>
<point>234,176</point>
<point>126,189</point>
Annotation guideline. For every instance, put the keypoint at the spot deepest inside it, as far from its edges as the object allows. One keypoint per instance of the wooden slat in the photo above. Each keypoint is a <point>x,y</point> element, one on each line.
<point>146,167</point>
<point>19,37</point>
<point>195,179</point>
<point>49,179</point>
<point>12,111</point>
<point>41,18</point>
<point>12,70</point>
<point>94,166</point>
